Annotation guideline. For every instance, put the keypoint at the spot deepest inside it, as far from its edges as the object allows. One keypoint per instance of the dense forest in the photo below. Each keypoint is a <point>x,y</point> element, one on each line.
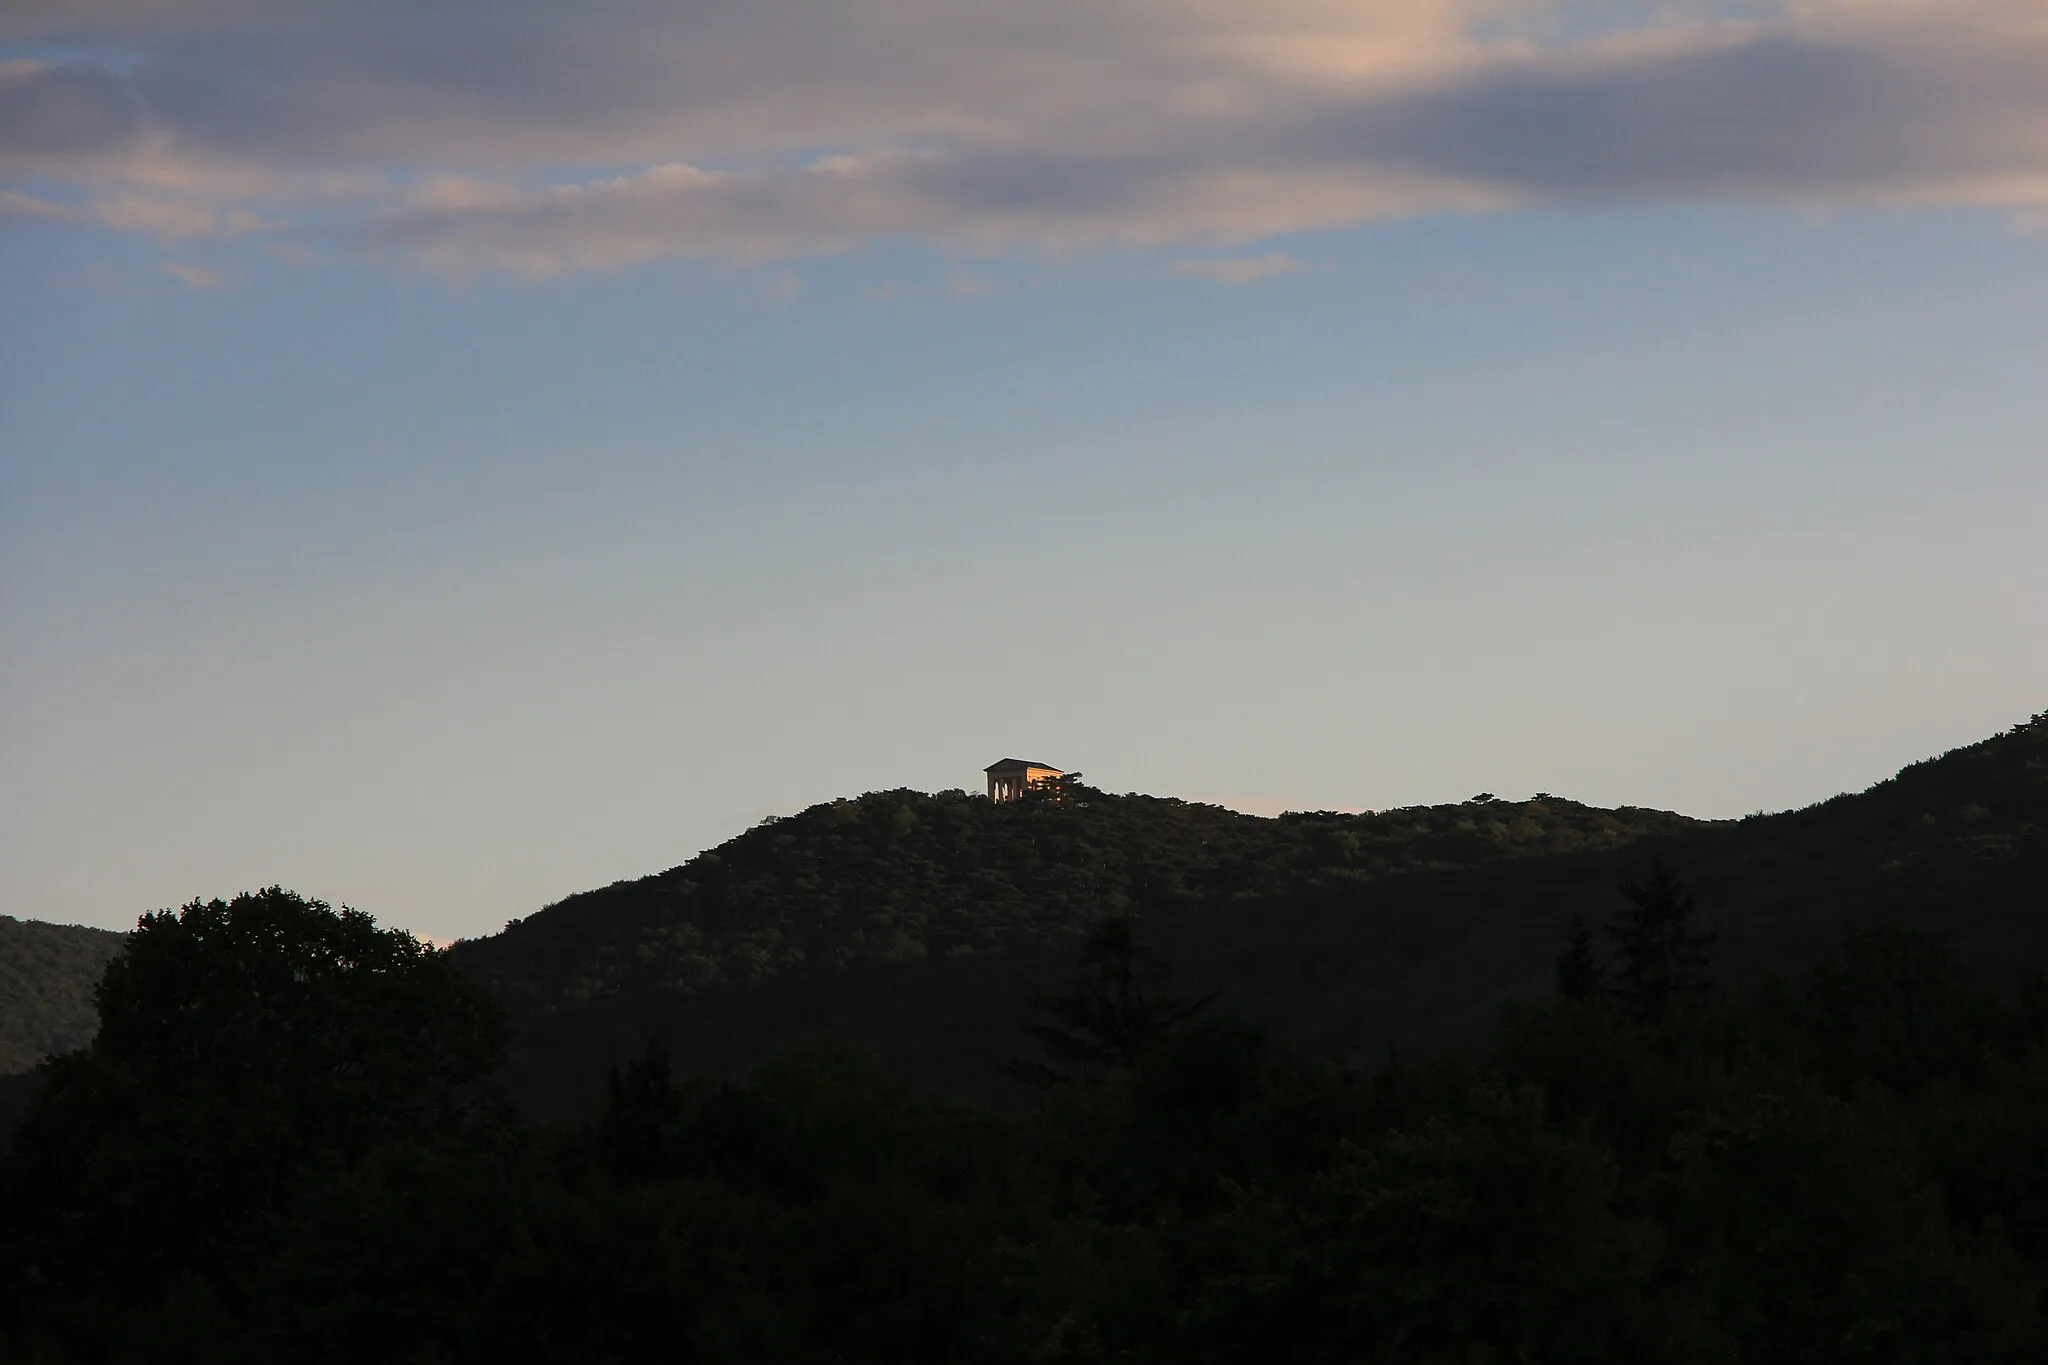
<point>1090,1077</point>
<point>284,1145</point>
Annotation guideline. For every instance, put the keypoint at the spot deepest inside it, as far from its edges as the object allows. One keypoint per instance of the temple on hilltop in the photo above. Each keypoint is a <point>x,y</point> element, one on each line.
<point>1012,777</point>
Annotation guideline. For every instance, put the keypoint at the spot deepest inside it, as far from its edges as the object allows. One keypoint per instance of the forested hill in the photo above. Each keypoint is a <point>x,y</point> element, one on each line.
<point>47,974</point>
<point>286,1141</point>
<point>918,925</point>
<point>903,876</point>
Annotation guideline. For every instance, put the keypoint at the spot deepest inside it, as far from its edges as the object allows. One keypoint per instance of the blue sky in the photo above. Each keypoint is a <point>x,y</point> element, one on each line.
<point>448,480</point>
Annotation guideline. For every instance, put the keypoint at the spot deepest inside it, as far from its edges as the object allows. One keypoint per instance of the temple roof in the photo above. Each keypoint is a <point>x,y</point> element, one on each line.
<point>1019,763</point>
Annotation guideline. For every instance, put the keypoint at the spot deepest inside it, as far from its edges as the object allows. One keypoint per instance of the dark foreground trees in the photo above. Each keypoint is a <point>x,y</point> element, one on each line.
<point>251,1054</point>
<point>1847,1167</point>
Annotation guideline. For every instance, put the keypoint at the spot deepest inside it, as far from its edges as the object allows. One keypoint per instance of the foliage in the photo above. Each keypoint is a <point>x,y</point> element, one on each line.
<point>1579,974</point>
<point>47,973</point>
<point>1845,1166</point>
<point>1659,959</point>
<point>906,876</point>
<point>915,924</point>
<point>1106,1019</point>
<point>246,1048</point>
<point>282,1144</point>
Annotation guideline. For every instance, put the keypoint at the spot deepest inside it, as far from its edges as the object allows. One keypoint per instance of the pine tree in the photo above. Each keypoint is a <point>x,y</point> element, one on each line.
<point>1659,957</point>
<point>1106,1019</point>
<point>642,1107</point>
<point>1579,976</point>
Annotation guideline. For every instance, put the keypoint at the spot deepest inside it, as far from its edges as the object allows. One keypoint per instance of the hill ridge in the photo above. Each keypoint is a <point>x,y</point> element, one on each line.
<point>917,924</point>
<point>902,875</point>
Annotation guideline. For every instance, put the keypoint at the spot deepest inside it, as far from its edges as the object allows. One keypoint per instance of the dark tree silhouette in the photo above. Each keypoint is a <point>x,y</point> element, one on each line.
<point>1579,976</point>
<point>1107,1018</point>
<point>243,1044</point>
<point>1658,956</point>
<point>641,1107</point>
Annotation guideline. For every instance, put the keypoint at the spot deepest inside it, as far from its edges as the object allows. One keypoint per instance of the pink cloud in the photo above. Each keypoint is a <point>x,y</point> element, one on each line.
<point>1238,269</point>
<point>15,204</point>
<point>512,139</point>
<point>193,276</point>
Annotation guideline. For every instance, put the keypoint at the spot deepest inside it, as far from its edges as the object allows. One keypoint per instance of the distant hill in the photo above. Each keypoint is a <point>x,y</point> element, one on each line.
<point>906,877</point>
<point>917,924</point>
<point>47,975</point>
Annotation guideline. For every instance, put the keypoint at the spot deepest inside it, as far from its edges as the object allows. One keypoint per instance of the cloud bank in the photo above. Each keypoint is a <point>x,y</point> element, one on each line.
<point>536,139</point>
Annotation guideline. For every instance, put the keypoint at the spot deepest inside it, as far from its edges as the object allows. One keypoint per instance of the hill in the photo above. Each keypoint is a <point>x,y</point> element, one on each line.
<point>917,925</point>
<point>902,876</point>
<point>47,975</point>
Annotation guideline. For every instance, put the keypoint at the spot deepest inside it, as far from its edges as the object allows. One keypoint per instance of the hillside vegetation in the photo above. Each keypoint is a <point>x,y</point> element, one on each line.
<point>918,925</point>
<point>1492,1082</point>
<point>902,876</point>
<point>47,973</point>
<point>283,1145</point>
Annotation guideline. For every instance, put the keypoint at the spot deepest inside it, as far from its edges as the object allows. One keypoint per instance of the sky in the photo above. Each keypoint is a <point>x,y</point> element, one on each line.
<point>454,455</point>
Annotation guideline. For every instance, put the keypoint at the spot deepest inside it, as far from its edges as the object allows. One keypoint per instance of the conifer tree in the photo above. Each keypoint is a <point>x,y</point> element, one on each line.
<point>1579,976</point>
<point>1106,1019</point>
<point>1658,955</point>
